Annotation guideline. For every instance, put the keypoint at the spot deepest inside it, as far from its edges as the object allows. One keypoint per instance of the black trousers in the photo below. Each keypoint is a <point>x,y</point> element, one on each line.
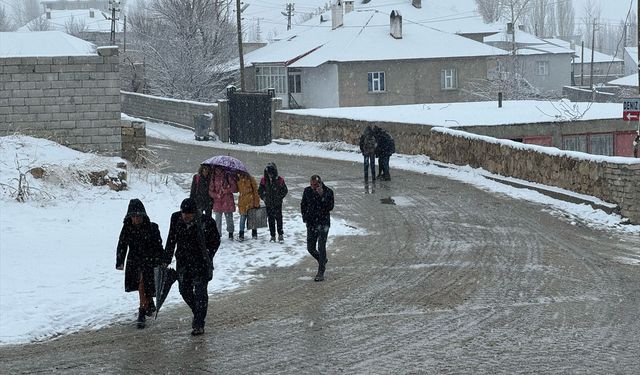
<point>194,293</point>
<point>274,219</point>
<point>317,244</point>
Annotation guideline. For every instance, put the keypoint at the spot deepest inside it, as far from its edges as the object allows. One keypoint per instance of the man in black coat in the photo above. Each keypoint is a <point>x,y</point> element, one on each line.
<point>316,206</point>
<point>197,239</point>
<point>141,245</point>
<point>386,148</point>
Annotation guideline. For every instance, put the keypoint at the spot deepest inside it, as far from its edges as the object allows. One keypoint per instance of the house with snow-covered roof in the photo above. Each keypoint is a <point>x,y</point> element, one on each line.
<point>90,24</point>
<point>630,60</point>
<point>605,67</point>
<point>545,66</point>
<point>369,56</point>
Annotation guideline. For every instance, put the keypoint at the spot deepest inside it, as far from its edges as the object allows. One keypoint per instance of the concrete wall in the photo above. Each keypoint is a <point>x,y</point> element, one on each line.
<point>73,100</point>
<point>319,87</point>
<point>408,81</point>
<point>164,109</point>
<point>613,182</point>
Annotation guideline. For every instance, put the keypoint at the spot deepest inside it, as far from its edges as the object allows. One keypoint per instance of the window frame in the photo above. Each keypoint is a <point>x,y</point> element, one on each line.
<point>271,77</point>
<point>376,82</point>
<point>449,79</point>
<point>542,68</point>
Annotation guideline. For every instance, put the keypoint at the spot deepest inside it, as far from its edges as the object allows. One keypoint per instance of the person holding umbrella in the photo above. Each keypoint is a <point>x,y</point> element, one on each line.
<point>140,239</point>
<point>195,240</point>
<point>248,198</point>
<point>221,188</point>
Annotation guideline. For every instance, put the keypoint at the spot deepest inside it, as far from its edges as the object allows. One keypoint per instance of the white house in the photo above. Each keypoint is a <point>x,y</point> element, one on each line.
<point>372,55</point>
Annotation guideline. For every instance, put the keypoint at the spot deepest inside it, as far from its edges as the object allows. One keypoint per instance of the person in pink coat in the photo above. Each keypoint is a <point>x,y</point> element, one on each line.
<point>221,188</point>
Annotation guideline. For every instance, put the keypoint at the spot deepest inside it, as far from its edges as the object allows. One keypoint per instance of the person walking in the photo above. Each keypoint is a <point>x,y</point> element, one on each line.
<point>316,205</point>
<point>386,148</point>
<point>636,145</point>
<point>221,188</point>
<point>248,198</point>
<point>200,190</point>
<point>141,245</point>
<point>272,190</point>
<point>195,240</point>
<point>368,146</point>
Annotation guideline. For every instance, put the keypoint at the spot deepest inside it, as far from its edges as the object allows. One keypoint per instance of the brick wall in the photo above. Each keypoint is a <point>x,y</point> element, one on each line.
<point>73,100</point>
<point>615,180</point>
<point>173,111</point>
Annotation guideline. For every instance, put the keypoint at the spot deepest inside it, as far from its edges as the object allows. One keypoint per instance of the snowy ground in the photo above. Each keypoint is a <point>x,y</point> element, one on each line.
<point>57,250</point>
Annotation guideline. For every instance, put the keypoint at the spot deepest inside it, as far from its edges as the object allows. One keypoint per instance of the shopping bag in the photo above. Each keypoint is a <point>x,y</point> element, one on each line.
<point>257,218</point>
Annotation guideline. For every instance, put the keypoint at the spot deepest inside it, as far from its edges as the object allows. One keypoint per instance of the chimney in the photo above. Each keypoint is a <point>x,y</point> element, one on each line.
<point>91,13</point>
<point>48,13</point>
<point>348,6</point>
<point>336,15</point>
<point>509,28</point>
<point>396,24</point>
<point>416,3</point>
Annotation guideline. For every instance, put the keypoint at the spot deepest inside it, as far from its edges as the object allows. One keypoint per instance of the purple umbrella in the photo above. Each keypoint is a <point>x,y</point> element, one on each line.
<point>228,162</point>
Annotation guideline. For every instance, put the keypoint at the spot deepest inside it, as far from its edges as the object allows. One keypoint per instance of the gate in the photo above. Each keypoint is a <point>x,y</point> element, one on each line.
<point>250,117</point>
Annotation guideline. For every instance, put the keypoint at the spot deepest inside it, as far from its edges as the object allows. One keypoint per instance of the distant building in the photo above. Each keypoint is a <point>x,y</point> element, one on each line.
<point>369,57</point>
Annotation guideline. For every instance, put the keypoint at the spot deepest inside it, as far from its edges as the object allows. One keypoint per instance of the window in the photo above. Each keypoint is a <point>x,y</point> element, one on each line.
<point>601,144</point>
<point>543,68</point>
<point>448,79</point>
<point>376,81</point>
<point>295,83</point>
<point>575,143</point>
<point>271,77</point>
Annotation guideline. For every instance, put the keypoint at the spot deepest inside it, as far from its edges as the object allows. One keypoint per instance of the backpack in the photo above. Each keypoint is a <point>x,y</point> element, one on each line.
<point>369,145</point>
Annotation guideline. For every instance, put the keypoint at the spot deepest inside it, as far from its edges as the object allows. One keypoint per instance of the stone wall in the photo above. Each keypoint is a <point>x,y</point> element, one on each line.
<point>73,100</point>
<point>615,180</point>
<point>179,112</point>
<point>134,138</point>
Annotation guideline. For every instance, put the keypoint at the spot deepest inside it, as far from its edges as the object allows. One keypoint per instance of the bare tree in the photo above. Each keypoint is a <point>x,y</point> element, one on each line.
<point>187,46</point>
<point>490,10</point>
<point>541,17</point>
<point>5,23</point>
<point>27,11</point>
<point>565,18</point>
<point>592,15</point>
<point>75,27</point>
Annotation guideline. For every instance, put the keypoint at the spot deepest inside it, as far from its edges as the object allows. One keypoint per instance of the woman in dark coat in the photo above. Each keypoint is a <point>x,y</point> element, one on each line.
<point>385,148</point>
<point>200,190</point>
<point>140,238</point>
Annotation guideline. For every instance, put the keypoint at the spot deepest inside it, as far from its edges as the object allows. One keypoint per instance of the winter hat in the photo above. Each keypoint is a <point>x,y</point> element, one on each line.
<point>188,206</point>
<point>136,208</point>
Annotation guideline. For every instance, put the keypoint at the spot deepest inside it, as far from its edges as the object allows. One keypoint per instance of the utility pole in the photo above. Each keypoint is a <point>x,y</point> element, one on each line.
<point>582,65</point>
<point>638,23</point>
<point>114,7</point>
<point>240,53</point>
<point>124,34</point>
<point>288,13</point>
<point>593,47</point>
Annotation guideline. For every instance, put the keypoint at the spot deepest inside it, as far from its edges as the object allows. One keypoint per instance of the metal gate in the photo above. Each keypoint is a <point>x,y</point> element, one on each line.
<point>249,117</point>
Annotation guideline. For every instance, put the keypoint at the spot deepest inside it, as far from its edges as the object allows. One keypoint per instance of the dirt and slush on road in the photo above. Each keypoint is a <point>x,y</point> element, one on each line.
<point>449,279</point>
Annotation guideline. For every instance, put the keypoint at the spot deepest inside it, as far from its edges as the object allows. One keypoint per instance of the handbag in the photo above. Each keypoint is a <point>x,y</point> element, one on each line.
<point>257,218</point>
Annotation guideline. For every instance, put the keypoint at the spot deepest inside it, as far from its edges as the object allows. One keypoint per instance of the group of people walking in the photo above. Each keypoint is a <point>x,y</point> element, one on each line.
<point>376,142</point>
<point>213,188</point>
<point>194,235</point>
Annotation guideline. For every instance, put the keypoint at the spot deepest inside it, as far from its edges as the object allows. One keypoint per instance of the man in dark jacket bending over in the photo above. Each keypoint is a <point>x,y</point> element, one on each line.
<point>316,205</point>
<point>197,240</point>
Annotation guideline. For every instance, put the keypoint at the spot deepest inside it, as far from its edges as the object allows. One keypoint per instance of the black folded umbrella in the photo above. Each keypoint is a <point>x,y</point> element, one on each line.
<point>165,277</point>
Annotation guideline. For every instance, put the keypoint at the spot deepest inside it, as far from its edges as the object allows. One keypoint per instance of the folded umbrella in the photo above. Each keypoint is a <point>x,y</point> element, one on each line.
<point>164,278</point>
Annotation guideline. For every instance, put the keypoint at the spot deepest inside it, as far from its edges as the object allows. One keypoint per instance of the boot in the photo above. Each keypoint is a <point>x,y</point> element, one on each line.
<point>319,276</point>
<point>273,239</point>
<point>241,236</point>
<point>280,238</point>
<point>151,308</point>
<point>197,331</point>
<point>254,233</point>
<point>231,235</point>
<point>141,317</point>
